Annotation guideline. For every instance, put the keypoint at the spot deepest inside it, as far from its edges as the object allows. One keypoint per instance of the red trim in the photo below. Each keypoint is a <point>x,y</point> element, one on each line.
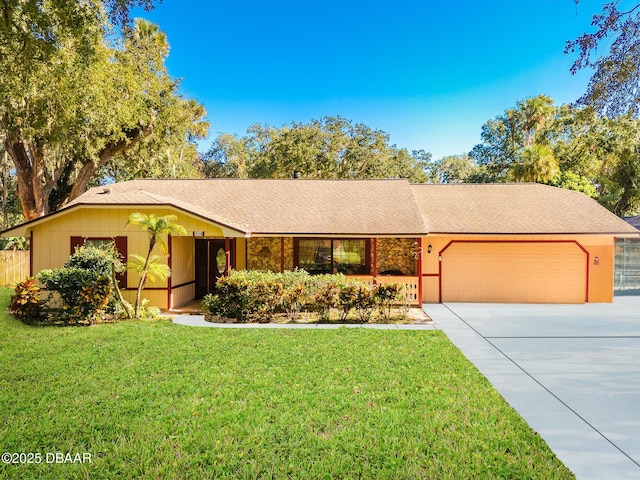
<point>586,299</point>
<point>281,254</point>
<point>75,242</point>
<point>430,274</point>
<point>374,269</point>
<point>227,251</point>
<point>169,285</point>
<point>174,287</point>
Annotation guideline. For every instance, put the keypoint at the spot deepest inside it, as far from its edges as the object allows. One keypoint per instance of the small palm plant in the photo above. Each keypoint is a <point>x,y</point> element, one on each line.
<point>149,267</point>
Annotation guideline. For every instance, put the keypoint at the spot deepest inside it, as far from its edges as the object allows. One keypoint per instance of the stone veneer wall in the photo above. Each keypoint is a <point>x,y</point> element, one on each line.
<point>264,254</point>
<point>395,254</point>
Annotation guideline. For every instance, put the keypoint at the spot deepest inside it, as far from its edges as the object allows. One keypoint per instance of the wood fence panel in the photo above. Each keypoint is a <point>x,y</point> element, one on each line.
<point>14,267</point>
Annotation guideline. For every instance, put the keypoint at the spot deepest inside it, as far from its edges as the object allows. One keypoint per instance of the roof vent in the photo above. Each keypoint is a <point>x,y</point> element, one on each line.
<point>106,190</point>
<point>297,175</point>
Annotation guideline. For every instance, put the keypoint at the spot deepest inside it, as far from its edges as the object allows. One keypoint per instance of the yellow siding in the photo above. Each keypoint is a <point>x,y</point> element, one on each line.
<point>51,242</point>
<point>600,285</point>
<point>182,261</point>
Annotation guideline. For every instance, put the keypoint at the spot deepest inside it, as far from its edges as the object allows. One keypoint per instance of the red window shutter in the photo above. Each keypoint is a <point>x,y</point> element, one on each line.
<point>76,242</point>
<point>121,247</point>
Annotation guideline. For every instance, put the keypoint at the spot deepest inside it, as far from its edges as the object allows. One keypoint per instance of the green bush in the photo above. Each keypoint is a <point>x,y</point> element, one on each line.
<point>387,295</point>
<point>323,293</point>
<point>258,296</point>
<point>26,303</point>
<point>84,285</point>
<point>84,294</point>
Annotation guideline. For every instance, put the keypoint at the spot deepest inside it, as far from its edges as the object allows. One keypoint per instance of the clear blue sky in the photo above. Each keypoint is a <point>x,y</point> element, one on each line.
<point>427,72</point>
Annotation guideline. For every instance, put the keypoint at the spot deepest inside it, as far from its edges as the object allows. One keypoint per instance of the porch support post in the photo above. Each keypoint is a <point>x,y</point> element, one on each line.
<point>374,267</point>
<point>420,271</point>
<point>170,253</point>
<point>281,254</point>
<point>227,251</point>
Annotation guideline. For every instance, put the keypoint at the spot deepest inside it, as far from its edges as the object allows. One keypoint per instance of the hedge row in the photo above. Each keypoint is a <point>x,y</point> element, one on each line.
<point>259,296</point>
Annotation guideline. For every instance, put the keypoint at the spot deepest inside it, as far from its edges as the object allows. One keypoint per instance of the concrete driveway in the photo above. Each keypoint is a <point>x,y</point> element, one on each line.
<point>571,371</point>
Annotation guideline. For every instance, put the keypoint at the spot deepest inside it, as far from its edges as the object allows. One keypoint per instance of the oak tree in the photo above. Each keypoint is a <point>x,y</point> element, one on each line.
<point>332,147</point>
<point>80,84</point>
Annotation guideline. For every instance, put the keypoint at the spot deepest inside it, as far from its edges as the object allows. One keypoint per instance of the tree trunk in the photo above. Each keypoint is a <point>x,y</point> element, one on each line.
<point>5,190</point>
<point>110,150</point>
<point>143,276</point>
<point>29,176</point>
<point>35,186</point>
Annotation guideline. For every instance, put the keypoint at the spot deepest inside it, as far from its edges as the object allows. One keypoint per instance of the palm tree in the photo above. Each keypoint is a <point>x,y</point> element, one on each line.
<point>536,112</point>
<point>155,227</point>
<point>538,165</point>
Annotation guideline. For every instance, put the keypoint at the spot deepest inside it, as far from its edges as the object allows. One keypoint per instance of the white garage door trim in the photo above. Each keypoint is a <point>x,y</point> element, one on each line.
<point>452,242</point>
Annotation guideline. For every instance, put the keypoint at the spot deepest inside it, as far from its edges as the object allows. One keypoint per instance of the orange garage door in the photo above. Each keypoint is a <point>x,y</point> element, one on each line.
<point>514,272</point>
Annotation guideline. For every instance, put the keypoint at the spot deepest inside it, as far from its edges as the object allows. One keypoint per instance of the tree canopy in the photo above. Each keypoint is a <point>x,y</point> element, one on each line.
<point>331,147</point>
<point>566,146</point>
<point>613,52</point>
<point>81,87</point>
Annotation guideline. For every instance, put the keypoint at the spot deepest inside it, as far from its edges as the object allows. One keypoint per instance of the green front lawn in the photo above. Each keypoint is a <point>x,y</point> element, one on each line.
<point>156,400</point>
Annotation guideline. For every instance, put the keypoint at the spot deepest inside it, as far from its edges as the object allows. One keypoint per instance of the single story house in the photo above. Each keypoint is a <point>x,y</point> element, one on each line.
<point>520,242</point>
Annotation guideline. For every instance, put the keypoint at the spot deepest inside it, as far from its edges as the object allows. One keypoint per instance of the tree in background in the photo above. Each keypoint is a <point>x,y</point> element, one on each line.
<point>565,146</point>
<point>11,211</point>
<point>150,266</point>
<point>509,150</point>
<point>453,169</point>
<point>79,87</point>
<point>332,147</point>
<point>614,88</point>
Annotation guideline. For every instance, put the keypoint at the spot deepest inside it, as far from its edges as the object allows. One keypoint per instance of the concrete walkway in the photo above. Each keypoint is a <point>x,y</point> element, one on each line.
<point>571,371</point>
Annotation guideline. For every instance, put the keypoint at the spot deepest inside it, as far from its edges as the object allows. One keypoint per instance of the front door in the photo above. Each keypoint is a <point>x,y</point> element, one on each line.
<point>211,263</point>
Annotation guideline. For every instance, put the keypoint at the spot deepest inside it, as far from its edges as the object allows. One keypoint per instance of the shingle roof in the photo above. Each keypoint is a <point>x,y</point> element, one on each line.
<point>365,207</point>
<point>512,208</point>
<point>292,206</point>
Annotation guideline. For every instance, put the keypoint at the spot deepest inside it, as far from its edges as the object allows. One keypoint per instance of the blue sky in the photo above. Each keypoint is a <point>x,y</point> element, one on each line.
<point>429,73</point>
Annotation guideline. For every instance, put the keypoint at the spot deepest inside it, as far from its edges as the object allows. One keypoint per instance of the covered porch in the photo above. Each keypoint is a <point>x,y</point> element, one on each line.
<point>198,261</point>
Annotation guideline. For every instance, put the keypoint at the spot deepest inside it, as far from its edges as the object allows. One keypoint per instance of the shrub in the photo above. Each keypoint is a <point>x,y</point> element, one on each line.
<point>346,299</point>
<point>26,303</point>
<point>233,297</point>
<point>258,296</point>
<point>387,295</point>
<point>365,301</point>
<point>323,293</point>
<point>85,294</point>
<point>84,284</point>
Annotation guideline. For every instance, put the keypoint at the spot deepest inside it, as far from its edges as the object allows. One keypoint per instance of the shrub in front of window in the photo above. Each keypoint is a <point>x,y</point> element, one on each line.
<point>323,293</point>
<point>84,284</point>
<point>259,296</point>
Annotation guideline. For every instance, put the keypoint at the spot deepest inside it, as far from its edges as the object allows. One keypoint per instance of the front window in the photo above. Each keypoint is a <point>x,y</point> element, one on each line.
<point>333,256</point>
<point>99,242</point>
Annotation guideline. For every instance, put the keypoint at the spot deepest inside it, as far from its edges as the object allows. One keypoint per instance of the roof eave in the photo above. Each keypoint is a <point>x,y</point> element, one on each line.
<point>24,227</point>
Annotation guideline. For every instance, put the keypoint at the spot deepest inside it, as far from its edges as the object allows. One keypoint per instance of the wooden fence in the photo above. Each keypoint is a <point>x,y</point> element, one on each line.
<point>14,267</point>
